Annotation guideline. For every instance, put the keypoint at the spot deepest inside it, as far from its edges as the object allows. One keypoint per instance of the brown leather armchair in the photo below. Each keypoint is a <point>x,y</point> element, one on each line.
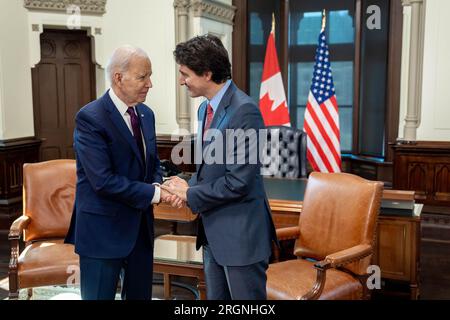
<point>334,241</point>
<point>48,197</point>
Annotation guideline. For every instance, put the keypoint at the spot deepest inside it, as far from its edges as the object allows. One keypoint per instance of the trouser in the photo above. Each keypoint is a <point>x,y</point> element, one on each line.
<point>234,282</point>
<point>99,277</point>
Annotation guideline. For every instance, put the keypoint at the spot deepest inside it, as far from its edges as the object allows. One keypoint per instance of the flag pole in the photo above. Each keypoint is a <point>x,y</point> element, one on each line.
<point>273,24</point>
<point>324,20</point>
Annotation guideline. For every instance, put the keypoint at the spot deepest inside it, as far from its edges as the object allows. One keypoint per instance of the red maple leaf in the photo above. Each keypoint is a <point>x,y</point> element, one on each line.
<point>278,116</point>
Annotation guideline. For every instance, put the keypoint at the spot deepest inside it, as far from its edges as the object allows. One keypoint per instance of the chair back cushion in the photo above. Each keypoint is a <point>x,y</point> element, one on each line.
<point>48,197</point>
<point>340,211</point>
<point>285,153</point>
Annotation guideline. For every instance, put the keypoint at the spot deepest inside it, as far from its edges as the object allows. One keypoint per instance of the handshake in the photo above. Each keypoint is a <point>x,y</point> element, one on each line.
<point>174,192</point>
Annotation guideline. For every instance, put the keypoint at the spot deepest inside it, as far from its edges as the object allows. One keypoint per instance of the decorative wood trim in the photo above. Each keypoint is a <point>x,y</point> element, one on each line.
<point>357,77</point>
<point>240,37</point>
<point>424,166</point>
<point>423,147</point>
<point>394,76</point>
<point>86,6</point>
<point>13,154</point>
<point>213,10</point>
<point>8,145</point>
<point>284,43</point>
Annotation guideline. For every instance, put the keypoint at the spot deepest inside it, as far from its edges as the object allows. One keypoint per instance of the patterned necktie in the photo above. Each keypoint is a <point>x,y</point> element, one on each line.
<point>136,130</point>
<point>209,117</point>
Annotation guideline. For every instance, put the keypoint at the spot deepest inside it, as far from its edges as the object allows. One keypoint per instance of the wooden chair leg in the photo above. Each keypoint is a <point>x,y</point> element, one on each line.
<point>13,285</point>
<point>201,287</point>
<point>167,287</point>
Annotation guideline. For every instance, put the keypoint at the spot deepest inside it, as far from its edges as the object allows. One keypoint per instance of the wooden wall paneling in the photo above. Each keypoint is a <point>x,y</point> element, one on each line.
<point>13,154</point>
<point>239,54</point>
<point>424,166</point>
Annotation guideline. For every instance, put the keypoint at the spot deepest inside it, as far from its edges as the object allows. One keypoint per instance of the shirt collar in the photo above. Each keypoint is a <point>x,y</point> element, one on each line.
<point>120,105</point>
<point>215,101</point>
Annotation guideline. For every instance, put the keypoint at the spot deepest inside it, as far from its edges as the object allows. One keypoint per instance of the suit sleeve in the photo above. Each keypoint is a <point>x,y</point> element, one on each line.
<point>238,178</point>
<point>93,153</point>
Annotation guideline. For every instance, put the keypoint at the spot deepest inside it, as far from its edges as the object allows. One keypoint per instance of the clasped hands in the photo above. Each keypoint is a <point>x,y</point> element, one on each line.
<point>174,192</point>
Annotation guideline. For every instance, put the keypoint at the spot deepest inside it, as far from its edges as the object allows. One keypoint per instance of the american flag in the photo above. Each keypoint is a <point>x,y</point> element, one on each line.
<point>321,115</point>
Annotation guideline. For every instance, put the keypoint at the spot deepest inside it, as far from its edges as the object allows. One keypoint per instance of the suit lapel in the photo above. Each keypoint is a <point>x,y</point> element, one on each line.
<point>219,117</point>
<point>121,126</point>
<point>221,112</point>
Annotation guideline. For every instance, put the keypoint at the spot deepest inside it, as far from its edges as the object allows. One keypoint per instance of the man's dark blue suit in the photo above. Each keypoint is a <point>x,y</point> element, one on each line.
<point>236,226</point>
<point>112,219</point>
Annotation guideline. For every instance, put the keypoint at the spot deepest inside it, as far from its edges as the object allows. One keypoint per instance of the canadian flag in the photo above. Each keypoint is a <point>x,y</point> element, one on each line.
<point>272,99</point>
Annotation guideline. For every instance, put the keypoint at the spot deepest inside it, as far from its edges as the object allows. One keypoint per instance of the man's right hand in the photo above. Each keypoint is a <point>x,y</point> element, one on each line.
<point>172,199</point>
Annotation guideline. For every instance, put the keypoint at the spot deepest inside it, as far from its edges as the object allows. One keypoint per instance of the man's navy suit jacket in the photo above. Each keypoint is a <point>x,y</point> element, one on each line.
<point>230,198</point>
<point>114,184</point>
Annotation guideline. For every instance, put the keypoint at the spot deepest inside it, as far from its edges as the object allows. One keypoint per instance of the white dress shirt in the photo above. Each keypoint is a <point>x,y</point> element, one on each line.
<point>122,108</point>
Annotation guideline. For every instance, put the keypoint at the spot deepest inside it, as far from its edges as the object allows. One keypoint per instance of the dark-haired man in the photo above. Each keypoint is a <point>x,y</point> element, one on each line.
<point>235,226</point>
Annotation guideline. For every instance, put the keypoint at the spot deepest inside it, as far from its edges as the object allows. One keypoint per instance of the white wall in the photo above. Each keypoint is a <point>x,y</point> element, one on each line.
<point>1,97</point>
<point>16,101</point>
<point>201,26</point>
<point>149,25</point>
<point>435,116</point>
<point>434,124</point>
<point>144,23</point>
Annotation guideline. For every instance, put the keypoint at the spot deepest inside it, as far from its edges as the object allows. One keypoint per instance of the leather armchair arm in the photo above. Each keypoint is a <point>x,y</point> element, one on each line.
<point>16,230</point>
<point>348,255</point>
<point>335,260</point>
<point>288,233</point>
<point>17,227</point>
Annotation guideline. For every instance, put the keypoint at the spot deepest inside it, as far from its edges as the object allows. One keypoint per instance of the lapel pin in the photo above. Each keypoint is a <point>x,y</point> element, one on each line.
<point>142,115</point>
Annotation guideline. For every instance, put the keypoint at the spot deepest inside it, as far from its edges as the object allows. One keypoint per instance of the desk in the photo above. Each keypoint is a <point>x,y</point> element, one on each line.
<point>397,247</point>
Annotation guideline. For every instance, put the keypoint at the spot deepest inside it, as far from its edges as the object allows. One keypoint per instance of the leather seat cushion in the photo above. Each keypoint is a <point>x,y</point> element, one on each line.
<point>292,279</point>
<point>49,262</point>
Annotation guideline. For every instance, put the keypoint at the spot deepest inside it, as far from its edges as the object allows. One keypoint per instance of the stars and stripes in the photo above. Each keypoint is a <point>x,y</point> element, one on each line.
<point>321,115</point>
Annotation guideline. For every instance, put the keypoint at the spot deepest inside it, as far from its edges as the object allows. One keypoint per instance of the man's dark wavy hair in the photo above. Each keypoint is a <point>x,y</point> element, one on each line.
<point>202,54</point>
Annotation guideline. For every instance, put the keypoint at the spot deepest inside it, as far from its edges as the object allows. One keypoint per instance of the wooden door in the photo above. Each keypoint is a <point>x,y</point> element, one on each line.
<point>63,82</point>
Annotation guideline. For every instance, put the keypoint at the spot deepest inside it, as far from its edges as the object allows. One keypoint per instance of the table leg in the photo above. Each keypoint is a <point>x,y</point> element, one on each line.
<point>201,287</point>
<point>167,287</point>
<point>414,291</point>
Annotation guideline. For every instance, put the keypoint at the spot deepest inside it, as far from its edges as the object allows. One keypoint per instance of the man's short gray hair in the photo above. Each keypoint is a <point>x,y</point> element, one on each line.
<point>120,60</point>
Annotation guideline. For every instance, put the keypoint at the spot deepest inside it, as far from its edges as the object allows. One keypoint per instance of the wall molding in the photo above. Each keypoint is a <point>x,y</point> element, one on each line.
<point>86,6</point>
<point>214,10</point>
<point>38,21</point>
<point>194,17</point>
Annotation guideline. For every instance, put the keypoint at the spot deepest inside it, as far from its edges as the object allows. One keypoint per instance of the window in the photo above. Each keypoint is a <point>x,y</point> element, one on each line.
<point>305,21</point>
<point>365,63</point>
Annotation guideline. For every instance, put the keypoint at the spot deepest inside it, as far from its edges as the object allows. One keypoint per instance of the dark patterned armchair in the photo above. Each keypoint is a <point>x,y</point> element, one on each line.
<point>285,155</point>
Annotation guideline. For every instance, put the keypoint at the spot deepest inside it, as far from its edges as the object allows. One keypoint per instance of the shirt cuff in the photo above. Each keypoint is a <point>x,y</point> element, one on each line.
<point>156,195</point>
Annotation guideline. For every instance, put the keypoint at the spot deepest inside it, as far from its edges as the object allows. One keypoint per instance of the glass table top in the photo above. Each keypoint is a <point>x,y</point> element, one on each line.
<point>177,249</point>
